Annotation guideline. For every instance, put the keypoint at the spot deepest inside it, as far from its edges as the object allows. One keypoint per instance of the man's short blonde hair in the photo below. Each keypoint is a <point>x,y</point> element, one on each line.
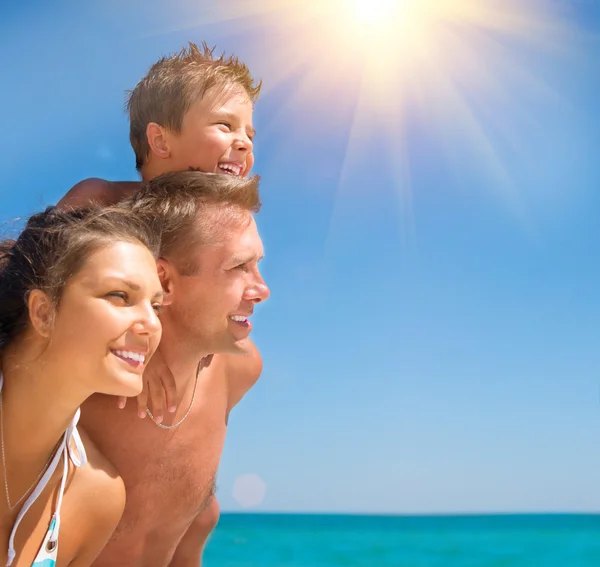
<point>189,209</point>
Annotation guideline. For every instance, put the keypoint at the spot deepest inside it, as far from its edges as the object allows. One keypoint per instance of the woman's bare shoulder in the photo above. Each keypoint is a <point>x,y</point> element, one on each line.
<point>95,501</point>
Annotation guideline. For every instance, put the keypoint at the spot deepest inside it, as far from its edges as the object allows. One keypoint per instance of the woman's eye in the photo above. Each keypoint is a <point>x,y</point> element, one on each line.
<point>118,295</point>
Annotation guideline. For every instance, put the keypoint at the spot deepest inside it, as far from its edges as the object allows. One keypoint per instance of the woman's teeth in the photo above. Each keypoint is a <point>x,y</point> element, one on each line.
<point>128,355</point>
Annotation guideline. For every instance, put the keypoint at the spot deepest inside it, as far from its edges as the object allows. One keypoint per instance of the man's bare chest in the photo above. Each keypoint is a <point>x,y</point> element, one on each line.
<point>173,467</point>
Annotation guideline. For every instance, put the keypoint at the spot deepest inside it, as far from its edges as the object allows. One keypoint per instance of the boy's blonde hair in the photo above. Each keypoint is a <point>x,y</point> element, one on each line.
<point>176,82</point>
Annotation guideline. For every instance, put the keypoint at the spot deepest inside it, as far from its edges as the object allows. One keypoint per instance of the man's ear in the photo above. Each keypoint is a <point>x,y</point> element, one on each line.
<point>41,312</point>
<point>158,140</point>
<point>167,275</point>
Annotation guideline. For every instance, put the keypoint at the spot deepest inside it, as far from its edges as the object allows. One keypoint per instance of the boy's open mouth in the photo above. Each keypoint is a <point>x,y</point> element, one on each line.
<point>231,168</point>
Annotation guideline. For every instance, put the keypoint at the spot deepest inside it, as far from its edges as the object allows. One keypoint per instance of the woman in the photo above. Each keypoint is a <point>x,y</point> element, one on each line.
<point>79,295</point>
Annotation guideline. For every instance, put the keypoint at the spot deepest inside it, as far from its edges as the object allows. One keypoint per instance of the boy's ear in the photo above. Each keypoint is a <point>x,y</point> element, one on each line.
<point>41,312</point>
<point>166,275</point>
<point>158,140</point>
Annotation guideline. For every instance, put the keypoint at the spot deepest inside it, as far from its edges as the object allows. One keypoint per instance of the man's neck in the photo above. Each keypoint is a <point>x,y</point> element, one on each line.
<point>181,358</point>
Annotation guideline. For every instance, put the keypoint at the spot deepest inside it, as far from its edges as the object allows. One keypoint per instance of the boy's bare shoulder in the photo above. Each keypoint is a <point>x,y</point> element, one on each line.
<point>97,191</point>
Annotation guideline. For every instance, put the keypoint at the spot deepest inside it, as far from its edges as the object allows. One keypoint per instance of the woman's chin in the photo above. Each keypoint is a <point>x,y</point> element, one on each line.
<point>129,386</point>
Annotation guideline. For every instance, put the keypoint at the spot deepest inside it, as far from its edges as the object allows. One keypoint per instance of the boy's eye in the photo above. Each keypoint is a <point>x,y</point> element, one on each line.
<point>226,124</point>
<point>157,307</point>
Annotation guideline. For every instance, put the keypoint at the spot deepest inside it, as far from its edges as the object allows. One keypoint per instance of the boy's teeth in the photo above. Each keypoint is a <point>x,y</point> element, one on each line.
<point>135,356</point>
<point>231,168</point>
<point>238,318</point>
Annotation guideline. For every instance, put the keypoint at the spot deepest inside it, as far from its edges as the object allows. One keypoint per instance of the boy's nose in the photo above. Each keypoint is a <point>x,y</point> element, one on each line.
<point>243,142</point>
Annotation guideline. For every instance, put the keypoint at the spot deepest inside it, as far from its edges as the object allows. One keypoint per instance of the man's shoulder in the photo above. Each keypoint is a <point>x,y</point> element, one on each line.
<point>97,190</point>
<point>241,372</point>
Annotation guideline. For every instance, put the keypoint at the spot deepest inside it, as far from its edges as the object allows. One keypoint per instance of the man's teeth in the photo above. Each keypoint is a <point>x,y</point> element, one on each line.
<point>135,356</point>
<point>239,318</point>
<point>231,168</point>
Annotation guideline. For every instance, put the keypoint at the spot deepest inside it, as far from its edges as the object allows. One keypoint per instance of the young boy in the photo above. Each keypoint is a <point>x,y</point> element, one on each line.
<point>191,111</point>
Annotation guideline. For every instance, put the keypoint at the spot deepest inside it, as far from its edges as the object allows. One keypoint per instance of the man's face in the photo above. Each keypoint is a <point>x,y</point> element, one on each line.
<point>216,135</point>
<point>214,301</point>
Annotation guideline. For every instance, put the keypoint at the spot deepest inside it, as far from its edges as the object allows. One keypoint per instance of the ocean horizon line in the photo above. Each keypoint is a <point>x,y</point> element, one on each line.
<point>558,514</point>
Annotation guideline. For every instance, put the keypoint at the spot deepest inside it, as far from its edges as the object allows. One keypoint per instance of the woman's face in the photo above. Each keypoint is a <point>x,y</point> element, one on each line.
<point>106,325</point>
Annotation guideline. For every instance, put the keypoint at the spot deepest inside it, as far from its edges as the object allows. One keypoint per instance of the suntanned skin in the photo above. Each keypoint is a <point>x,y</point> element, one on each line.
<point>169,475</point>
<point>60,358</point>
<point>92,505</point>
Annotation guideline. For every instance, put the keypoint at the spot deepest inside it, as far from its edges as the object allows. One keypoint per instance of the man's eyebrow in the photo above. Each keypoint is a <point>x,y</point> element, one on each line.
<point>239,258</point>
<point>243,258</point>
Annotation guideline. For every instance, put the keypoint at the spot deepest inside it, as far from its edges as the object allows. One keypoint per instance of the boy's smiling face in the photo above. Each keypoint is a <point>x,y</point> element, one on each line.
<point>216,135</point>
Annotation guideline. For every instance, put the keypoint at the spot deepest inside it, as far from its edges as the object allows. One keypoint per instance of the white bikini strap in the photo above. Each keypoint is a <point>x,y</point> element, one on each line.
<point>80,458</point>
<point>66,451</point>
<point>33,497</point>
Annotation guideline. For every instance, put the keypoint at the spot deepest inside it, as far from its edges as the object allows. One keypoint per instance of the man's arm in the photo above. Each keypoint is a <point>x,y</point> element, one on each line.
<point>190,548</point>
<point>99,191</point>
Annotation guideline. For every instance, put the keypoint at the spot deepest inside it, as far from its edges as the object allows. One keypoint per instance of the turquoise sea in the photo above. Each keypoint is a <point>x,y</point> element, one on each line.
<point>287,540</point>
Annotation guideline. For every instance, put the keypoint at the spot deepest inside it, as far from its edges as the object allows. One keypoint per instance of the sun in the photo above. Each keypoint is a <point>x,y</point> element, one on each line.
<point>373,11</point>
<point>382,22</point>
<point>411,74</point>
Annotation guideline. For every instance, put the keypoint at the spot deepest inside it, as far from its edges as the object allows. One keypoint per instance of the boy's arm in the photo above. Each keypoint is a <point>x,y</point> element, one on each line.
<point>99,191</point>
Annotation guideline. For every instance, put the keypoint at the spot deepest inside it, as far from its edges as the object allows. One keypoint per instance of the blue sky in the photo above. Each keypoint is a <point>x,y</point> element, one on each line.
<point>430,344</point>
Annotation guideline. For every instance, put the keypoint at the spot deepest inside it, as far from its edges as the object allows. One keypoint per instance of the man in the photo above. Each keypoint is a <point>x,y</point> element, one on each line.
<point>208,267</point>
<point>192,110</point>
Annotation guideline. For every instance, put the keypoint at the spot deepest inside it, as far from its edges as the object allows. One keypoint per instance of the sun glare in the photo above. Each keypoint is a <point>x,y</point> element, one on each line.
<point>456,70</point>
<point>373,11</point>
